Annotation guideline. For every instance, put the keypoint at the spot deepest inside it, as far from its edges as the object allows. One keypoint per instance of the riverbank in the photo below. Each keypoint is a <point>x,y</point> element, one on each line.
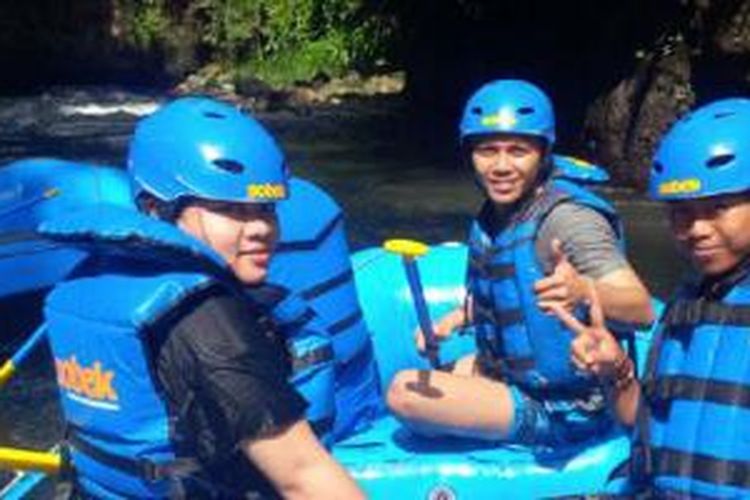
<point>355,137</point>
<point>93,123</point>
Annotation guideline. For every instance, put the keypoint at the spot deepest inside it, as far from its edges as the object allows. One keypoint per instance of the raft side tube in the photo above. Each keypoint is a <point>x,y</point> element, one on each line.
<point>388,461</point>
<point>37,189</point>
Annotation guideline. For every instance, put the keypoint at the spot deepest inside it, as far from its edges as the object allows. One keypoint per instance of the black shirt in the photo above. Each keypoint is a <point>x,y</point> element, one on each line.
<point>224,374</point>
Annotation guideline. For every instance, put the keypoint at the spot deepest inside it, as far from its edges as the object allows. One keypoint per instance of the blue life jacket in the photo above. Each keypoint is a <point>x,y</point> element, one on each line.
<point>693,436</point>
<point>312,262</point>
<point>515,339</point>
<point>310,348</point>
<point>122,439</point>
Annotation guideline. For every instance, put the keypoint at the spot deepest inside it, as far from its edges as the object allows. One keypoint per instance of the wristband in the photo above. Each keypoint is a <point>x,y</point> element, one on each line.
<point>623,374</point>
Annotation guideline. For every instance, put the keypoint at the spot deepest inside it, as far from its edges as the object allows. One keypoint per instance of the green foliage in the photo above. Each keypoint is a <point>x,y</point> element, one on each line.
<point>325,56</point>
<point>279,41</point>
<point>146,22</point>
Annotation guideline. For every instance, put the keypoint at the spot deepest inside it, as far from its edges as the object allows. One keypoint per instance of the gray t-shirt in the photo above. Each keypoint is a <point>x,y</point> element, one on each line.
<point>588,240</point>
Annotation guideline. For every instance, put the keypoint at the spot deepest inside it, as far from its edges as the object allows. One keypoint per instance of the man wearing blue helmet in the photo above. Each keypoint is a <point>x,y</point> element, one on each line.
<point>538,241</point>
<point>173,382</point>
<point>691,410</point>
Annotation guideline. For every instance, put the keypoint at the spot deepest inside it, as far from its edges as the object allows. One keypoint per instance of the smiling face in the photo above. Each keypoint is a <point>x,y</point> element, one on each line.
<point>507,165</point>
<point>244,234</point>
<point>713,232</point>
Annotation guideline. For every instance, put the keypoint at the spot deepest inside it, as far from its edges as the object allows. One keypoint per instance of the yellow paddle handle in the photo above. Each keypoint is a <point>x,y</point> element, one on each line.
<point>7,370</point>
<point>18,459</point>
<point>406,248</point>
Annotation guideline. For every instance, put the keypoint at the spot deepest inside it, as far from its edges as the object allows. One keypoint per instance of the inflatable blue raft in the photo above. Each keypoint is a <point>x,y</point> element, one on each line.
<point>385,458</point>
<point>390,462</point>
<point>33,190</point>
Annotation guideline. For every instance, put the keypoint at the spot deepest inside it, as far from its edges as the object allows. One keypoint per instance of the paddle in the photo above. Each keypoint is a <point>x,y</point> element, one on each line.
<point>409,250</point>
<point>19,459</point>
<point>26,204</point>
<point>8,368</point>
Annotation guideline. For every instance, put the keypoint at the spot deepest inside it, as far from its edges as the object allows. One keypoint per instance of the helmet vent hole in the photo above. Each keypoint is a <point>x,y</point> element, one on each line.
<point>719,161</point>
<point>723,114</point>
<point>526,110</point>
<point>231,166</point>
<point>658,167</point>
<point>476,110</point>
<point>214,115</point>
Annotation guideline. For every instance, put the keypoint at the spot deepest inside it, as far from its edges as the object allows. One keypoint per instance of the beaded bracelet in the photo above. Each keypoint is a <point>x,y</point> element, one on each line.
<point>623,373</point>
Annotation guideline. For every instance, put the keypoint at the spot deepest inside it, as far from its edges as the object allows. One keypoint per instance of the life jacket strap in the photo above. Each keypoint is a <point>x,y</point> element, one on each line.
<point>664,390</point>
<point>143,468</point>
<point>640,463</point>
<point>269,295</point>
<point>500,318</point>
<point>492,271</point>
<point>300,321</point>
<point>667,462</point>
<point>345,323</point>
<point>700,312</point>
<point>499,367</point>
<point>326,286</point>
<point>296,246</point>
<point>587,397</point>
<point>316,356</point>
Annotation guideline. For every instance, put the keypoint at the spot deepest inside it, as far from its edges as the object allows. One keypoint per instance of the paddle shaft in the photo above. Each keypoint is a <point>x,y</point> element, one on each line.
<point>8,368</point>
<point>420,305</point>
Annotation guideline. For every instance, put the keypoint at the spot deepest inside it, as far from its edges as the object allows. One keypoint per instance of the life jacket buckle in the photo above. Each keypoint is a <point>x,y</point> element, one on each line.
<point>151,471</point>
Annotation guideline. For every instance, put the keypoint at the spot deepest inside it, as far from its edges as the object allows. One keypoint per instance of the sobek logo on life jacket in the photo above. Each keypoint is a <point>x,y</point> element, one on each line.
<point>89,385</point>
<point>266,191</point>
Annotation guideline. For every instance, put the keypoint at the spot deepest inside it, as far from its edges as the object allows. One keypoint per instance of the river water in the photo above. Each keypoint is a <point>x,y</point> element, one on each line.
<point>389,181</point>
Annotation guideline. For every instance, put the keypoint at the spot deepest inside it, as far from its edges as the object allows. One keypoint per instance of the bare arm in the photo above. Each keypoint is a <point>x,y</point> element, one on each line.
<point>625,403</point>
<point>624,297</point>
<point>576,244</point>
<point>299,467</point>
<point>597,351</point>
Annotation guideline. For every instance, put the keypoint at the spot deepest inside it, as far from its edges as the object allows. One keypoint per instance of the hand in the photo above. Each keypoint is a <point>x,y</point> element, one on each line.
<point>594,349</point>
<point>442,329</point>
<point>564,286</point>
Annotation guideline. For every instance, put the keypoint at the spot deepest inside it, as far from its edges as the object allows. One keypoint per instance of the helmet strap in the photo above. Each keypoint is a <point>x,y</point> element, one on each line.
<point>546,165</point>
<point>163,210</point>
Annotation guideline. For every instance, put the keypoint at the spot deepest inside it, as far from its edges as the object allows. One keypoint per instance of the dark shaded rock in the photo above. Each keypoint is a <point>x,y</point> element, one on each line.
<point>623,127</point>
<point>262,96</point>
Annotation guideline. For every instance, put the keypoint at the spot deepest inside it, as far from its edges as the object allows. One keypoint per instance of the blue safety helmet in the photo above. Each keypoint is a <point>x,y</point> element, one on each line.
<point>197,147</point>
<point>512,106</point>
<point>706,153</point>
